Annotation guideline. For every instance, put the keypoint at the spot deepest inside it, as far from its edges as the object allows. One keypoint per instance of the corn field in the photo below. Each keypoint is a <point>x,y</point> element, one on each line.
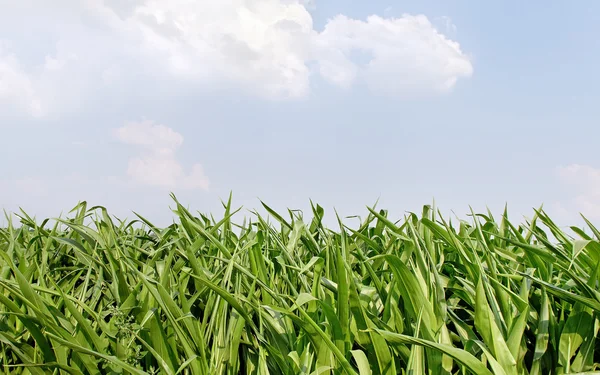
<point>90,294</point>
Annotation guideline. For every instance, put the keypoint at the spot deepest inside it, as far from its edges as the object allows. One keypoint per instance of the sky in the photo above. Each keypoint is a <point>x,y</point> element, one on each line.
<point>470,104</point>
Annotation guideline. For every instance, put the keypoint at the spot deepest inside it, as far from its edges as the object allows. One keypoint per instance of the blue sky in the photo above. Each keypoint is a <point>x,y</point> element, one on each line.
<point>468,103</point>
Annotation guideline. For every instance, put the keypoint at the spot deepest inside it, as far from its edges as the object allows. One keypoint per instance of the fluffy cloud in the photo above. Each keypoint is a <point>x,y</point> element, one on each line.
<point>584,180</point>
<point>401,56</point>
<point>261,45</point>
<point>156,164</point>
<point>268,48</point>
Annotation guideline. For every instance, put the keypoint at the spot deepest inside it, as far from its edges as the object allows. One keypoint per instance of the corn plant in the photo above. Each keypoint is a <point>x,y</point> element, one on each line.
<point>90,294</point>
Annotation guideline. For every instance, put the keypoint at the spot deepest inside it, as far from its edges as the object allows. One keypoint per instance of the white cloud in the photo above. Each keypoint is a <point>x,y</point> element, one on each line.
<point>260,45</point>
<point>156,164</point>
<point>266,45</point>
<point>402,56</point>
<point>584,180</point>
<point>268,48</point>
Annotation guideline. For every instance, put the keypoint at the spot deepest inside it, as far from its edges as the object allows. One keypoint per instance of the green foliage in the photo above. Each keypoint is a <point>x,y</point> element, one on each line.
<point>93,295</point>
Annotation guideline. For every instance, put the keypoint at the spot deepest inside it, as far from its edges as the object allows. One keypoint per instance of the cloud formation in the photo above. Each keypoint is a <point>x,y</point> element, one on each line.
<point>403,56</point>
<point>267,45</point>
<point>268,48</point>
<point>156,164</point>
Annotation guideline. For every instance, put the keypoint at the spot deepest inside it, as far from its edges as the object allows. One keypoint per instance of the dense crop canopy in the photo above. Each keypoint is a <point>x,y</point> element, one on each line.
<point>92,295</point>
